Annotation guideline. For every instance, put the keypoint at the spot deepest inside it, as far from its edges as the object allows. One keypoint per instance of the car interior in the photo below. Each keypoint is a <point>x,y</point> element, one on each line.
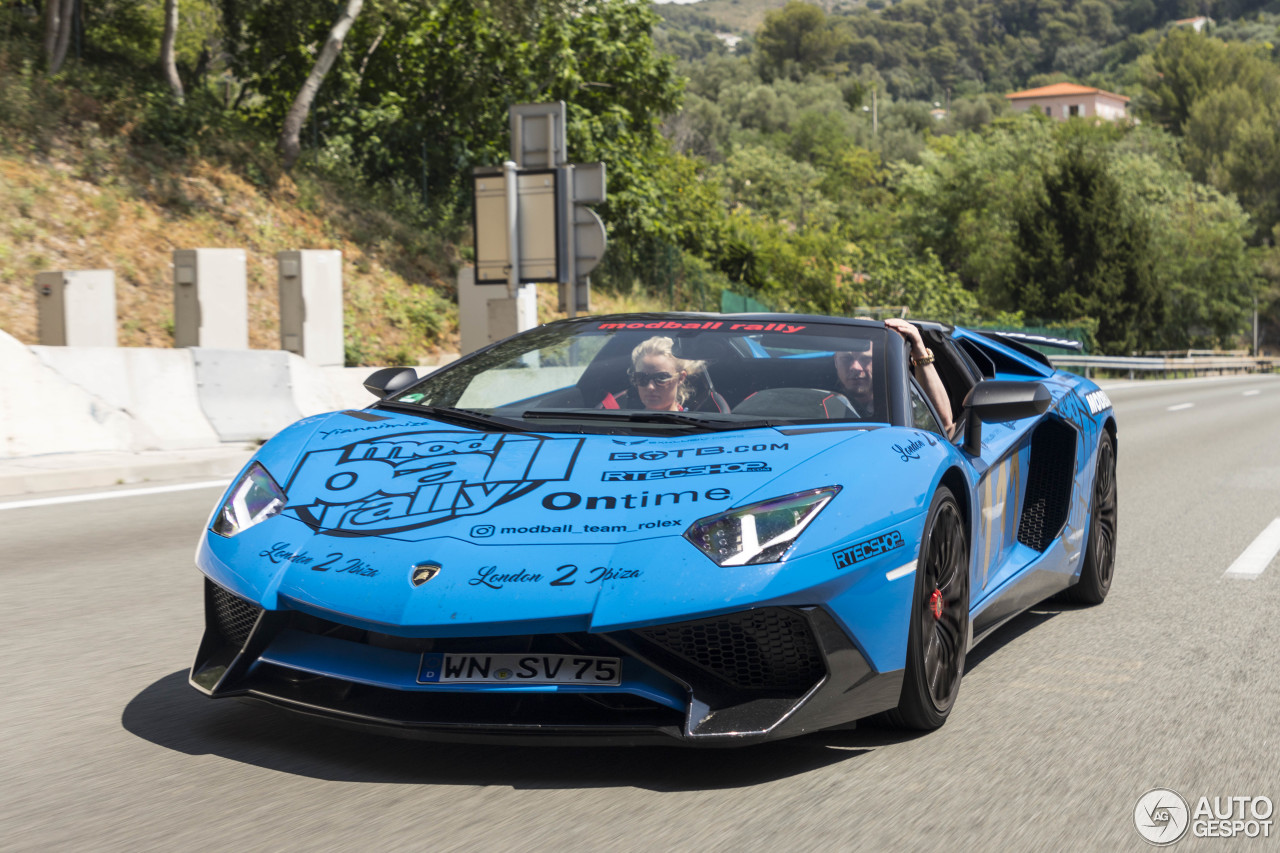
<point>805,388</point>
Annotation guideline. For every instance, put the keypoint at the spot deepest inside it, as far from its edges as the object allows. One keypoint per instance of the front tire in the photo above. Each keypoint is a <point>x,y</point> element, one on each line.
<point>1100,550</point>
<point>939,628</point>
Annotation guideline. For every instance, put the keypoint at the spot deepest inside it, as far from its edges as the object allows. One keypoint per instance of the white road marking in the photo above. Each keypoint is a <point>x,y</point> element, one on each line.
<point>1180,407</point>
<point>1125,385</point>
<point>1253,562</point>
<point>1255,392</point>
<point>106,496</point>
<point>901,571</point>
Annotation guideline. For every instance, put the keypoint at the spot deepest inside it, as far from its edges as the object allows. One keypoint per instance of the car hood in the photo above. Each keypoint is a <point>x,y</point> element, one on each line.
<point>535,528</point>
<point>411,479</point>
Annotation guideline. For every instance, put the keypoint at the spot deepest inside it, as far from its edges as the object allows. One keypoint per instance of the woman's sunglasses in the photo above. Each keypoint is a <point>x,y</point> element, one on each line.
<point>640,379</point>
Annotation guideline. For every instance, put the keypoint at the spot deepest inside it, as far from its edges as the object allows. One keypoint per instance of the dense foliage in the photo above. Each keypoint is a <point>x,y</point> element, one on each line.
<point>887,135</point>
<point>856,161</point>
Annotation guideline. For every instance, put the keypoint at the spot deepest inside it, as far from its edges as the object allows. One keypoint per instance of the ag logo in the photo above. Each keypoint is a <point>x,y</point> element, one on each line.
<point>423,572</point>
<point>396,485</point>
<point>1161,816</point>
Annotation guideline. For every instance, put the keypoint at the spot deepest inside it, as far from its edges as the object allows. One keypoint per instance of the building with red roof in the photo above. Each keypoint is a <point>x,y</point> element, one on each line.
<point>1197,23</point>
<point>1062,101</point>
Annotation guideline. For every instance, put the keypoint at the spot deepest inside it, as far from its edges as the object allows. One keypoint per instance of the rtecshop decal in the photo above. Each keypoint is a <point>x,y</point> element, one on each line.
<point>686,471</point>
<point>866,550</point>
<point>402,483</point>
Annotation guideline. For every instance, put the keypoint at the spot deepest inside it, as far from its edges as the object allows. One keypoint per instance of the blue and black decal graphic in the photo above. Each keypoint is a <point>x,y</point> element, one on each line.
<point>397,484</point>
<point>873,547</point>
<point>685,471</point>
<point>364,416</point>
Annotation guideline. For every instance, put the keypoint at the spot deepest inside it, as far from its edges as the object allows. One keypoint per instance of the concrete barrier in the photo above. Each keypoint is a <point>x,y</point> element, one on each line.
<point>44,412</point>
<point>136,400</point>
<point>154,390</point>
<point>245,394</point>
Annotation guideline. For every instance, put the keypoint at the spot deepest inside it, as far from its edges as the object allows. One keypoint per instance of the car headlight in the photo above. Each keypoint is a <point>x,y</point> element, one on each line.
<point>761,532</point>
<point>252,500</point>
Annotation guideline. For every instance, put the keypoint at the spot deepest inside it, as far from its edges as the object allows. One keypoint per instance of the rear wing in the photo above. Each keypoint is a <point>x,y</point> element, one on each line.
<point>1034,340</point>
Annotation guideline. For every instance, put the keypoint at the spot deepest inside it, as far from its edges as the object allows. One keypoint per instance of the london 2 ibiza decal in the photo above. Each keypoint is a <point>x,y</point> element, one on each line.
<point>410,481</point>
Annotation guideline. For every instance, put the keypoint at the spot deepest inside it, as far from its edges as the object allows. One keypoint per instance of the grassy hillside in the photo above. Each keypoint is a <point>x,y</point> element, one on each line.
<point>77,193</point>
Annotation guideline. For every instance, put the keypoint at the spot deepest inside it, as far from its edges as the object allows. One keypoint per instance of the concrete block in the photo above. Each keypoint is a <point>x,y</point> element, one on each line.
<point>311,326</point>
<point>487,314</point>
<point>77,308</point>
<point>210,299</point>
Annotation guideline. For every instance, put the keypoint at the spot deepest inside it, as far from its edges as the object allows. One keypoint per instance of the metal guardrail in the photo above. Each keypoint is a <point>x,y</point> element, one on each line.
<point>1189,366</point>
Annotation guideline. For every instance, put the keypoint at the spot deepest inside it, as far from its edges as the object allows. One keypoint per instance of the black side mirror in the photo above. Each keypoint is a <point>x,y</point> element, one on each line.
<point>1001,400</point>
<point>390,380</point>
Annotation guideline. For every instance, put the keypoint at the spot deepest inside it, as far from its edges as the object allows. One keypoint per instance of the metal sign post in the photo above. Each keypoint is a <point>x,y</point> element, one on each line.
<point>511,187</point>
<point>531,220</point>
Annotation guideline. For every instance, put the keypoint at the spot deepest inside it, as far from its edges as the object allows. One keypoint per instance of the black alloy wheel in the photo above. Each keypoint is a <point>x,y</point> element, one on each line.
<point>939,630</point>
<point>1100,551</point>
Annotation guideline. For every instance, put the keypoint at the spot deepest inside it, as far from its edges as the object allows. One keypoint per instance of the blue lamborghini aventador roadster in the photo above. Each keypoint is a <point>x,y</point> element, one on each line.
<point>692,528</point>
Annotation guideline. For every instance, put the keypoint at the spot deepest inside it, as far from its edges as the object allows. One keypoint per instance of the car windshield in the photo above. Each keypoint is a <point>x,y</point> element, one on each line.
<point>696,372</point>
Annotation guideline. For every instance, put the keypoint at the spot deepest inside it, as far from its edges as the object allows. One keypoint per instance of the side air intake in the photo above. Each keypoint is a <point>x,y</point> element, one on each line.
<point>1044,512</point>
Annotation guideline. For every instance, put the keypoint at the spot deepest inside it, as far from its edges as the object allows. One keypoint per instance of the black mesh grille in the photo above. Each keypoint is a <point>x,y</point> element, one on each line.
<point>472,710</point>
<point>1053,453</point>
<point>579,643</point>
<point>770,648</point>
<point>233,616</point>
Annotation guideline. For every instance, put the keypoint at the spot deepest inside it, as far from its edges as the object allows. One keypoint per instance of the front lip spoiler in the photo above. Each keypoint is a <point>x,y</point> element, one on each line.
<point>879,692</point>
<point>848,691</point>
<point>522,735</point>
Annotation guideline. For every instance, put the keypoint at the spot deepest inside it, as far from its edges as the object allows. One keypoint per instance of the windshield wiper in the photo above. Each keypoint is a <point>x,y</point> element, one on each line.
<point>466,417</point>
<point>642,416</point>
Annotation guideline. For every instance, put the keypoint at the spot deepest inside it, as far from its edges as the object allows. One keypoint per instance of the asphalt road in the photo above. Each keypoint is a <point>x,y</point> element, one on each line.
<point>1065,718</point>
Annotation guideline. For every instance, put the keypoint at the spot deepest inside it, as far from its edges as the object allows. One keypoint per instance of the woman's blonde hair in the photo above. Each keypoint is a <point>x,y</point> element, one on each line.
<point>662,345</point>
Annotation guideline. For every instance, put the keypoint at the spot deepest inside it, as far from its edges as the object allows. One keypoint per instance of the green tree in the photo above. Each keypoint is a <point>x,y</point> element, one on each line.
<point>887,275</point>
<point>1079,255</point>
<point>776,187</point>
<point>290,145</point>
<point>1188,66</point>
<point>1071,220</point>
<point>419,94</point>
<point>1233,143</point>
<point>797,40</point>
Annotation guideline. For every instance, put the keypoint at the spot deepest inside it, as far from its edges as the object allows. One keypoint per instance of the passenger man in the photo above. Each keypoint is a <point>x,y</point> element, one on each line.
<point>855,371</point>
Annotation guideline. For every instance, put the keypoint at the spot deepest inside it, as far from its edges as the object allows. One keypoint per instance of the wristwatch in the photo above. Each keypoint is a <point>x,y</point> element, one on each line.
<point>921,362</point>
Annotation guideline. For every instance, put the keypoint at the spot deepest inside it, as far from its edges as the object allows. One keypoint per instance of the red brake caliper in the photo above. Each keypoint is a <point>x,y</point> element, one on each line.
<point>935,604</point>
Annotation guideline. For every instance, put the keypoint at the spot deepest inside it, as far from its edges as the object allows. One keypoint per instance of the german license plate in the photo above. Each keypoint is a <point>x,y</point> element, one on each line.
<point>454,668</point>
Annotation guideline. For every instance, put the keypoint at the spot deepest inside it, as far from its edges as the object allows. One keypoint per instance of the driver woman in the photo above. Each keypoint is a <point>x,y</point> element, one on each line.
<point>660,378</point>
